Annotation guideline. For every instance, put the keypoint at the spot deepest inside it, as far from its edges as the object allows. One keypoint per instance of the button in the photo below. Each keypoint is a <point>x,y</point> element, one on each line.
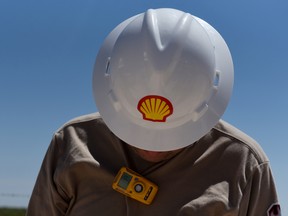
<point>138,188</point>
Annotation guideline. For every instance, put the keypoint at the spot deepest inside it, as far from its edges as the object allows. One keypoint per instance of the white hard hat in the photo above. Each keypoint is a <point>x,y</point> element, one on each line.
<point>162,79</point>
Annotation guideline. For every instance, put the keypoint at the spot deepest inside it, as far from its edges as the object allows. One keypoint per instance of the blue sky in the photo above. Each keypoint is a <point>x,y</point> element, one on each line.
<point>47,52</point>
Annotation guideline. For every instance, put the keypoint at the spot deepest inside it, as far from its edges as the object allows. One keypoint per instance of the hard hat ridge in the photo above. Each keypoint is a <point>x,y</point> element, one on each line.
<point>165,43</point>
<point>164,37</point>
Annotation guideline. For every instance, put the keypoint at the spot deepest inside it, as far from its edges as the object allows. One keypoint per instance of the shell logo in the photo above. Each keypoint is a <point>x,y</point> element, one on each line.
<point>155,108</point>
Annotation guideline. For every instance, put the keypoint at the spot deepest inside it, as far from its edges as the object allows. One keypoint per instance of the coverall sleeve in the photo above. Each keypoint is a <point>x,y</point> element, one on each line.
<point>48,198</point>
<point>260,197</point>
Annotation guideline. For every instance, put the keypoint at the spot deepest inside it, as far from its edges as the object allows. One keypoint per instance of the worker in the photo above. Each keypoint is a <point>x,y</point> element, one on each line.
<point>158,146</point>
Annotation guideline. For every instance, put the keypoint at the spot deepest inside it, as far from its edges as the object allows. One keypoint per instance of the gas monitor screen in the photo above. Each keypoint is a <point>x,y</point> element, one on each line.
<point>124,181</point>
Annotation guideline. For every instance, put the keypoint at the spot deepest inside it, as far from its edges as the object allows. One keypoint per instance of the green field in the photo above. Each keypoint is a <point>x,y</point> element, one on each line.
<point>12,211</point>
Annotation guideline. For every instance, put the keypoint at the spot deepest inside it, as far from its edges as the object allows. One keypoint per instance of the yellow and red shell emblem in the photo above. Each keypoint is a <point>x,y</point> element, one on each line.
<point>155,108</point>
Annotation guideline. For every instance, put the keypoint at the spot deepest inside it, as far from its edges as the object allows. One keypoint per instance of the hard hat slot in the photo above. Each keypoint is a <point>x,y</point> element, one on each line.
<point>107,70</point>
<point>216,79</point>
<point>114,101</point>
<point>199,111</point>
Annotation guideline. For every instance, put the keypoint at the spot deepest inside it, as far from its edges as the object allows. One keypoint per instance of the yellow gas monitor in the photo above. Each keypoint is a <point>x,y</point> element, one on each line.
<point>135,186</point>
